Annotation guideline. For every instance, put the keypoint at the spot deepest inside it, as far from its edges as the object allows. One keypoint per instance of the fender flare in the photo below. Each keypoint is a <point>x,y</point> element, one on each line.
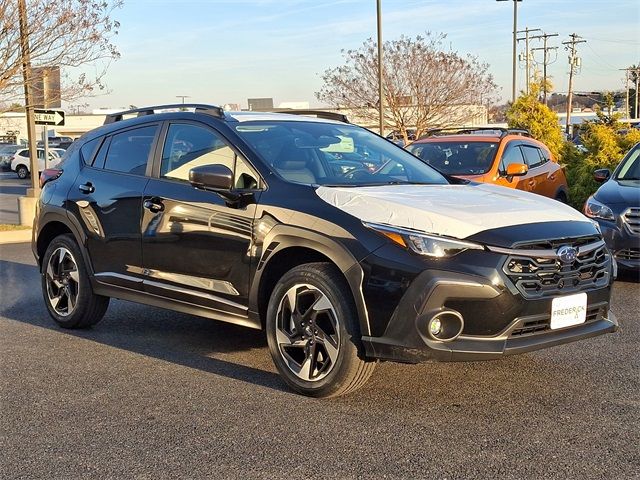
<point>282,237</point>
<point>59,215</point>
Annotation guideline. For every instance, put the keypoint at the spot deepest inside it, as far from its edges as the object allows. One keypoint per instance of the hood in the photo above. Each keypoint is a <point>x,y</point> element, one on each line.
<point>453,210</point>
<point>623,192</point>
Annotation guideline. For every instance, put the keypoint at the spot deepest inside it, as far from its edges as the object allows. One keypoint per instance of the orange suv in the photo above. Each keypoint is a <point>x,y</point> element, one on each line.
<point>506,157</point>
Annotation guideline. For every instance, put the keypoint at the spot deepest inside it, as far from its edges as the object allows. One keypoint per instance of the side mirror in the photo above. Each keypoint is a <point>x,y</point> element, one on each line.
<point>602,175</point>
<point>517,170</point>
<point>211,177</point>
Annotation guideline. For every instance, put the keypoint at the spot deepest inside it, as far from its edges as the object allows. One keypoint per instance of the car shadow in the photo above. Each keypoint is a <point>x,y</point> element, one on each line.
<point>194,342</point>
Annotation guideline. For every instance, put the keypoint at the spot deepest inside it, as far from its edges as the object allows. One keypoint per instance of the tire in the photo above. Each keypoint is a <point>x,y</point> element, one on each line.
<point>316,344</point>
<point>22,171</point>
<point>562,197</point>
<point>66,287</point>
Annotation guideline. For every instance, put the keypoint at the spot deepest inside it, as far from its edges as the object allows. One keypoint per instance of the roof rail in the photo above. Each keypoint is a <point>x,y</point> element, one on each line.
<point>470,130</point>
<point>339,117</point>
<point>198,107</point>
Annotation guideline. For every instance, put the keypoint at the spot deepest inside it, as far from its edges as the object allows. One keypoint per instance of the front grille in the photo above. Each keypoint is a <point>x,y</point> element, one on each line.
<point>632,218</point>
<point>543,324</point>
<point>543,276</point>
<point>629,254</point>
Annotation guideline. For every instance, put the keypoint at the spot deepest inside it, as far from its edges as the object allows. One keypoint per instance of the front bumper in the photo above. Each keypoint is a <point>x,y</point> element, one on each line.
<point>624,245</point>
<point>498,320</point>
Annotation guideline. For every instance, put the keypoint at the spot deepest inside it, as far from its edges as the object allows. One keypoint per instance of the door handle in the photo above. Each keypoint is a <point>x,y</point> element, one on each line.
<point>532,183</point>
<point>153,206</point>
<point>87,188</point>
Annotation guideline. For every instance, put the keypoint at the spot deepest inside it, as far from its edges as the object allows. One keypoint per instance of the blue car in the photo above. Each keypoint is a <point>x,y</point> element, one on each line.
<point>616,207</point>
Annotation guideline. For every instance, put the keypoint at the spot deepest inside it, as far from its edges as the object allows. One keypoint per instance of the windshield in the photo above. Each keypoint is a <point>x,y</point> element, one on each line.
<point>318,153</point>
<point>457,158</point>
<point>630,168</point>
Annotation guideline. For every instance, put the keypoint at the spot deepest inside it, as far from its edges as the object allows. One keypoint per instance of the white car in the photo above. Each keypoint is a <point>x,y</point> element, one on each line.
<point>20,163</point>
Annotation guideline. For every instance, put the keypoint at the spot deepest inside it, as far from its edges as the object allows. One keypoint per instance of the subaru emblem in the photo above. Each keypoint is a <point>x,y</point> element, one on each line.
<point>567,254</point>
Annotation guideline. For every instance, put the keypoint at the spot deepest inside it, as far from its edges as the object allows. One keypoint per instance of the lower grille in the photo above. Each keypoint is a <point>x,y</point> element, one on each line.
<point>629,254</point>
<point>543,324</point>
<point>632,218</point>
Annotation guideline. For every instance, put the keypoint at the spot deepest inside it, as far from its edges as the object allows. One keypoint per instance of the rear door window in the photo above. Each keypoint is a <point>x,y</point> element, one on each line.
<point>129,150</point>
<point>532,155</point>
<point>88,150</point>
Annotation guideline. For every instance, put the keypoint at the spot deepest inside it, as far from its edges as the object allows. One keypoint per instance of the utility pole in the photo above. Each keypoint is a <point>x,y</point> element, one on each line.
<point>26,75</point>
<point>626,103</point>
<point>380,69</point>
<point>527,31</point>
<point>635,106</point>
<point>515,47</point>
<point>545,37</point>
<point>574,63</point>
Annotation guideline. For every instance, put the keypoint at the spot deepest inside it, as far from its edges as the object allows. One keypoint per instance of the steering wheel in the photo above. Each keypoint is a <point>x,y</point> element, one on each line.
<point>351,174</point>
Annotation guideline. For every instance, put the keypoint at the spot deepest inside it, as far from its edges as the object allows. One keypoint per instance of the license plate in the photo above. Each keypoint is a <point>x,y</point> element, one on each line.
<point>569,310</point>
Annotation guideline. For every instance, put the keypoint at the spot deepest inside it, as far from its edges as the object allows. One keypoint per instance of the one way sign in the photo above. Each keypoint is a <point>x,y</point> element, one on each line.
<point>49,117</point>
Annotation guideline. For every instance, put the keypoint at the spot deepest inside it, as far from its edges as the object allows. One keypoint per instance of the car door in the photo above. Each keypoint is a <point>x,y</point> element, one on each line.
<point>107,199</point>
<point>513,154</point>
<point>538,181</point>
<point>196,244</point>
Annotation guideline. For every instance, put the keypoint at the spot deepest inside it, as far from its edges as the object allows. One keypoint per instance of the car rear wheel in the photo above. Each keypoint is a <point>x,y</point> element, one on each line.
<point>562,197</point>
<point>22,172</point>
<point>313,332</point>
<point>66,288</point>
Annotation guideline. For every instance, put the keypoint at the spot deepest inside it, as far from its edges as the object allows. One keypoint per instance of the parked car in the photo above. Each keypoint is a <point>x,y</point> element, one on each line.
<point>7,151</point>
<point>242,217</point>
<point>57,142</point>
<point>21,164</point>
<point>506,157</point>
<point>616,208</point>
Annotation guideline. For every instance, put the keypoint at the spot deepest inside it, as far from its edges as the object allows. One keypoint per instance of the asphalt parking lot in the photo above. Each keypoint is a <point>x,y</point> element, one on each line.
<point>154,394</point>
<point>11,187</point>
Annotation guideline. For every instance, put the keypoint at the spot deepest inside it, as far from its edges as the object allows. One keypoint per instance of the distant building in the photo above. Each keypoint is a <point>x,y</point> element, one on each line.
<point>260,104</point>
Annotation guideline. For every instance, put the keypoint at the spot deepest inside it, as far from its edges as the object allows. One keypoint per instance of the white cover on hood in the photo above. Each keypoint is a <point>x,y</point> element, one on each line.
<point>457,211</point>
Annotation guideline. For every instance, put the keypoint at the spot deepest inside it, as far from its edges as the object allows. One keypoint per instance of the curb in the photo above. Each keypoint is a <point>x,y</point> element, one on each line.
<point>15,236</point>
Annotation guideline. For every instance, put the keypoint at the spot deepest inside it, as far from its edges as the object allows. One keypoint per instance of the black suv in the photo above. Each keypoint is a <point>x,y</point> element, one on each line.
<point>344,247</point>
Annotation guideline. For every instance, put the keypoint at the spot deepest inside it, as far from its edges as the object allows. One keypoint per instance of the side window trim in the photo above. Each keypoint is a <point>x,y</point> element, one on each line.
<point>162,138</point>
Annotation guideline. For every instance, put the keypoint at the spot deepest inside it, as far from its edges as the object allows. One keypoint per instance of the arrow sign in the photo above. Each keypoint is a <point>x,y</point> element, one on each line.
<point>48,117</point>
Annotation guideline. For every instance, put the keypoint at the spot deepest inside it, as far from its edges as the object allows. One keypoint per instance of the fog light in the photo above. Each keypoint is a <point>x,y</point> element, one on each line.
<point>435,326</point>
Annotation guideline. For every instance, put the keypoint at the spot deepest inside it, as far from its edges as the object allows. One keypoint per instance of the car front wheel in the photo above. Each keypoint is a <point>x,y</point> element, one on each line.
<point>313,332</point>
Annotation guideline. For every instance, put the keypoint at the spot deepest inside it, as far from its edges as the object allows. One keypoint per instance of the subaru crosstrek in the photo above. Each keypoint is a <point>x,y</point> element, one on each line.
<point>267,220</point>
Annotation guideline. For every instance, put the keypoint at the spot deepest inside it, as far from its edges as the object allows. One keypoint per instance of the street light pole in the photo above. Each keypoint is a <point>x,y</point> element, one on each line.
<point>380,69</point>
<point>515,47</point>
<point>183,97</point>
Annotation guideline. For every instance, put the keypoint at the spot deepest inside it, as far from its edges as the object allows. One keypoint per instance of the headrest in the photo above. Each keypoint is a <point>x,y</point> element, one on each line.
<point>291,158</point>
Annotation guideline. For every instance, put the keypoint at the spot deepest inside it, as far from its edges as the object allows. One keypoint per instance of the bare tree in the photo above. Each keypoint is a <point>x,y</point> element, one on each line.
<point>65,33</point>
<point>425,85</point>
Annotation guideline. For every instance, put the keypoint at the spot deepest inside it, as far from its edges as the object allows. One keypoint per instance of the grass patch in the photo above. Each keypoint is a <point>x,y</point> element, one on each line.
<point>8,227</point>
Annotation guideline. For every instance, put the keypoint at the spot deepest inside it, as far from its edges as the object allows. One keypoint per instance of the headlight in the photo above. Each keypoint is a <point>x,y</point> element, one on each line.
<point>423,243</point>
<point>595,209</point>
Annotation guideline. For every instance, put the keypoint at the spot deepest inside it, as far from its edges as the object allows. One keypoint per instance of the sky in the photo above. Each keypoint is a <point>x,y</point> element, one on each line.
<point>225,51</point>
